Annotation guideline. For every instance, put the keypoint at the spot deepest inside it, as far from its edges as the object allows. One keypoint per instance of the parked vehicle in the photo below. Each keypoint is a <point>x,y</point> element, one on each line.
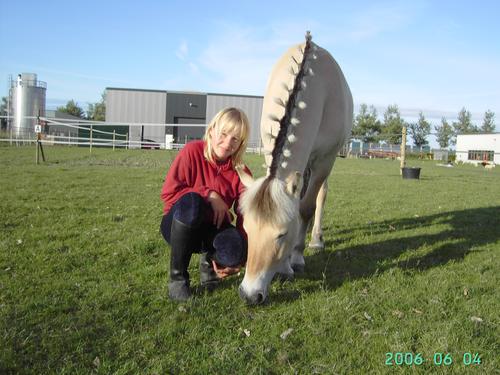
<point>149,144</point>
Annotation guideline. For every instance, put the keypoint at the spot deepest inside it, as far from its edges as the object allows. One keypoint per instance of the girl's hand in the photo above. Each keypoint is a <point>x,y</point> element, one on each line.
<point>219,207</point>
<point>226,271</point>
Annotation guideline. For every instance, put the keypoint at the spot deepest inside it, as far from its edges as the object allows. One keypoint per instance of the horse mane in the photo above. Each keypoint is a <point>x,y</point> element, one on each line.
<point>285,136</point>
<point>268,199</point>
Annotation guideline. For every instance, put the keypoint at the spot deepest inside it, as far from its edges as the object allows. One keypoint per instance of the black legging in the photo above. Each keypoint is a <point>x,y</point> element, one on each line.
<point>225,245</point>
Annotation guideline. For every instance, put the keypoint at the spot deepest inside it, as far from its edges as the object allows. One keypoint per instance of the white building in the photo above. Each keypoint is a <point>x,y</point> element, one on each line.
<point>478,148</point>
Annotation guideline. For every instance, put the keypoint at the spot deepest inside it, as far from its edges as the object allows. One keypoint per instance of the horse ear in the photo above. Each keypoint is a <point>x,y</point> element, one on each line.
<point>245,178</point>
<point>294,184</point>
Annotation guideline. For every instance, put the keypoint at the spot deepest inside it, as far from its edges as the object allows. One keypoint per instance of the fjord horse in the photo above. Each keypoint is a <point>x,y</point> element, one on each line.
<point>306,118</point>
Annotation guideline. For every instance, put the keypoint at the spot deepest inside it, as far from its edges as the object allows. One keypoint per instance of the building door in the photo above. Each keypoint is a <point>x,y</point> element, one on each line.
<point>184,134</point>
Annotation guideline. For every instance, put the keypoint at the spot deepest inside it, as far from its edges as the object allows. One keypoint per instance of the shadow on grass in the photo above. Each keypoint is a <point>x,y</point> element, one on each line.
<point>464,231</point>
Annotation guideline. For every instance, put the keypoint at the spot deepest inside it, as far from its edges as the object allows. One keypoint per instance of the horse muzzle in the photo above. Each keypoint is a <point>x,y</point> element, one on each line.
<point>254,298</point>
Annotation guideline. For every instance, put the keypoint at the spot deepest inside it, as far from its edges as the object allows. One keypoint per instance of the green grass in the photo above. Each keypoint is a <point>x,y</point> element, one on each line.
<point>83,273</point>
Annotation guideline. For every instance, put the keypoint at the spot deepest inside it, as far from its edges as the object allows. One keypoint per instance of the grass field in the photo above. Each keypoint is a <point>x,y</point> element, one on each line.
<point>411,266</point>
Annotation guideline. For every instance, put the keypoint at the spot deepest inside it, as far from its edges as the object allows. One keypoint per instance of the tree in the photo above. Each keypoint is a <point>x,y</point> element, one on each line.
<point>464,124</point>
<point>488,122</point>
<point>97,111</point>
<point>393,125</point>
<point>73,109</point>
<point>366,125</point>
<point>444,134</point>
<point>420,130</point>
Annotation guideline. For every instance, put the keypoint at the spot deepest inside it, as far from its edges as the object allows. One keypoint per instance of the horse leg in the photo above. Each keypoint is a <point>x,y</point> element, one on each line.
<point>307,208</point>
<point>316,242</point>
<point>297,256</point>
<point>285,270</point>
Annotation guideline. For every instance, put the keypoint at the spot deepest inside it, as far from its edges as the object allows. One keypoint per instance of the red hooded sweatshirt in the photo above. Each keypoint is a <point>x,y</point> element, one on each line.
<point>191,172</point>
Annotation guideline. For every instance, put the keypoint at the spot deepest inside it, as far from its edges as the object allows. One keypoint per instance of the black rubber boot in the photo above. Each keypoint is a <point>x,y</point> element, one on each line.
<point>208,277</point>
<point>182,243</point>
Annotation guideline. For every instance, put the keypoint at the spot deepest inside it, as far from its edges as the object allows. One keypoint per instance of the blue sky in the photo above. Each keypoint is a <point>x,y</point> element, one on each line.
<point>430,56</point>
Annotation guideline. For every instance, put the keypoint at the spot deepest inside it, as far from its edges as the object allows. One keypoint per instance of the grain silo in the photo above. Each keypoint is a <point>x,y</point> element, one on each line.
<point>27,99</point>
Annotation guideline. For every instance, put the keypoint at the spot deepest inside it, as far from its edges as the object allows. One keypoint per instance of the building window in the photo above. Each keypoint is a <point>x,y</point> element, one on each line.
<point>481,155</point>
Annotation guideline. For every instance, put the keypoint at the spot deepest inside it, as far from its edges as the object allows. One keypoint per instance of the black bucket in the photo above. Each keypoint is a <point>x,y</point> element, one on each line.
<point>411,173</point>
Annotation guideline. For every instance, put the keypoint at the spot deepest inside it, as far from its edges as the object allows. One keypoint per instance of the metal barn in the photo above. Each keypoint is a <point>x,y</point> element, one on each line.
<point>154,113</point>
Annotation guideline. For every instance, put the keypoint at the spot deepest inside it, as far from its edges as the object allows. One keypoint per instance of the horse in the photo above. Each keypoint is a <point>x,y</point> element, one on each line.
<point>306,118</point>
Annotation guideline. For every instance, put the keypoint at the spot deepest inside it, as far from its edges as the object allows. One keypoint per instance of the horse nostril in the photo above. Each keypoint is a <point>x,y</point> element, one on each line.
<point>252,299</point>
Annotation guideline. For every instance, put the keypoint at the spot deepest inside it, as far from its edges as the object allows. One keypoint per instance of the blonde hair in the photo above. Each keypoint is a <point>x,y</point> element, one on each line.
<point>230,120</point>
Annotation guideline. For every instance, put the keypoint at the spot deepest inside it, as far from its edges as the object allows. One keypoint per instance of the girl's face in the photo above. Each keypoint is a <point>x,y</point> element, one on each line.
<point>225,144</point>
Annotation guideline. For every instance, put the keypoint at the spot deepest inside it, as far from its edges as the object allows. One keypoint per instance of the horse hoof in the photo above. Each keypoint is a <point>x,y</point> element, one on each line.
<point>317,246</point>
<point>298,268</point>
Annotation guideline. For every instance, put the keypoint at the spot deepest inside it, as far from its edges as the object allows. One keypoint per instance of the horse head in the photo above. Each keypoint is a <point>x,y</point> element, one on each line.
<point>270,207</point>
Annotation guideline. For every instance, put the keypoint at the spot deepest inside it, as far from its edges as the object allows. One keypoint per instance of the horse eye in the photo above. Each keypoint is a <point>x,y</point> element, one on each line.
<point>281,236</point>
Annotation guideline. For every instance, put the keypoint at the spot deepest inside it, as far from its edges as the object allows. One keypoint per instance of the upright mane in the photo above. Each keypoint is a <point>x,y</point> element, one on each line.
<point>285,133</point>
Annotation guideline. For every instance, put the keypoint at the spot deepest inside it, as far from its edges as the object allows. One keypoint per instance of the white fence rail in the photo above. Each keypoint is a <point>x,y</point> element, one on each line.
<point>118,140</point>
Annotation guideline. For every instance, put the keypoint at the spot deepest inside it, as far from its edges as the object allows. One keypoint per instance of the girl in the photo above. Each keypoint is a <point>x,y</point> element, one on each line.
<point>200,188</point>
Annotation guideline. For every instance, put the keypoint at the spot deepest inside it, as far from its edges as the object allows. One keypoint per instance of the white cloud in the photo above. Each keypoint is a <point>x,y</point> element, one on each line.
<point>194,68</point>
<point>239,59</point>
<point>182,51</point>
<point>379,19</point>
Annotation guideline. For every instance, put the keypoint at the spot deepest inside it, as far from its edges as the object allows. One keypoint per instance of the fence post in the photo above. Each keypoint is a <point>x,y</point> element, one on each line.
<point>91,128</point>
<point>114,134</point>
<point>37,146</point>
<point>403,151</point>
<point>11,136</point>
<point>127,146</point>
